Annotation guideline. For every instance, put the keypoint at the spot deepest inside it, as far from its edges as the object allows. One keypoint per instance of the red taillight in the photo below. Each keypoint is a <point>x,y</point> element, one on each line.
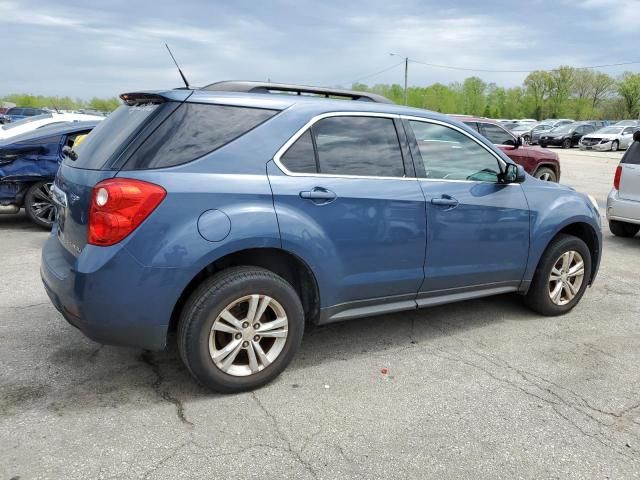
<point>616,179</point>
<point>118,206</point>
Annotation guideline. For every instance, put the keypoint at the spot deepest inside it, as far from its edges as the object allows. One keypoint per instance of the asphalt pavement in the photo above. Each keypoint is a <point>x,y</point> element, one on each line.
<point>480,389</point>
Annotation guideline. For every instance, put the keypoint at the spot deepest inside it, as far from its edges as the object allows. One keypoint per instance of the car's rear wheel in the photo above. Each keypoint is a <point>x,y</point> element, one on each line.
<point>623,229</point>
<point>546,175</point>
<point>38,203</point>
<point>566,143</point>
<point>561,278</point>
<point>614,146</point>
<point>240,329</point>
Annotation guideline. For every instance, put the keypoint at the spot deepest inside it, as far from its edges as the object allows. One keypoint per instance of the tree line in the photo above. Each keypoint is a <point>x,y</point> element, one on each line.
<point>62,103</point>
<point>566,92</point>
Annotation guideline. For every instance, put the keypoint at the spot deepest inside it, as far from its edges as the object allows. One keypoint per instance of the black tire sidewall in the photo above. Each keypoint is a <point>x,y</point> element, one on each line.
<point>566,144</point>
<point>546,169</point>
<point>208,304</point>
<point>615,142</point>
<point>538,297</point>
<point>622,229</point>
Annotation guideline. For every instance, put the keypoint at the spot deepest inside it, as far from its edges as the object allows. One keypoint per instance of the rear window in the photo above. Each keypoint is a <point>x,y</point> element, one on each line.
<point>110,135</point>
<point>194,130</point>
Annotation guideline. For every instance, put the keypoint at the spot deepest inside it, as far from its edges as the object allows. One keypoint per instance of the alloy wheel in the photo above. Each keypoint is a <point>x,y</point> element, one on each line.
<point>248,335</point>
<point>565,280</point>
<point>43,207</point>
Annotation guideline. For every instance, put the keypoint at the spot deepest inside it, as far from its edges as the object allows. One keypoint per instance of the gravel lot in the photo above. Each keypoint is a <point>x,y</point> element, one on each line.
<point>482,389</point>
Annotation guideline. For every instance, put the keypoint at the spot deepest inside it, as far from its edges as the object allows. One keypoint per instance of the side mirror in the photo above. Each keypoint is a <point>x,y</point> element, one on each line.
<point>513,173</point>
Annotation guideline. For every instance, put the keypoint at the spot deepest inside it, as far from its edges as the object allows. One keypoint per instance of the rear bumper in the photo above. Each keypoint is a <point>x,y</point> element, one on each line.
<point>108,295</point>
<point>622,210</point>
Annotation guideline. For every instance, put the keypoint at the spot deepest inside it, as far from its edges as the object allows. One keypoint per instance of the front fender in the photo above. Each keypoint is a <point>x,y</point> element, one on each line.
<point>554,208</point>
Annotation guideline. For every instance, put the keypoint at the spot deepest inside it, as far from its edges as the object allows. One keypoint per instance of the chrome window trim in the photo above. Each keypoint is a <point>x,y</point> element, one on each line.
<point>282,150</point>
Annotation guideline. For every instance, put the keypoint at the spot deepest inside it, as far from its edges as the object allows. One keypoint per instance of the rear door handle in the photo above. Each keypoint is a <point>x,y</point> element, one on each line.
<point>445,201</point>
<point>318,193</point>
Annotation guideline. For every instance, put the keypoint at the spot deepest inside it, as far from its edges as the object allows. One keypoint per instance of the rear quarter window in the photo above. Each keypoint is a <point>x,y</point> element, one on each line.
<point>194,130</point>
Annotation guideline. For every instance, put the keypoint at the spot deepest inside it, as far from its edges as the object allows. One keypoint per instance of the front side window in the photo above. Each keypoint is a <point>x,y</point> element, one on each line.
<point>363,146</point>
<point>497,135</point>
<point>451,155</point>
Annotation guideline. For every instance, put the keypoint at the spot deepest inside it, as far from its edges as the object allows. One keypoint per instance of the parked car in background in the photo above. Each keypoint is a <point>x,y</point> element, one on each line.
<point>608,139</point>
<point>623,202</point>
<point>28,164</point>
<point>32,123</point>
<point>556,122</point>
<point>524,131</point>
<point>542,164</point>
<point>628,123</point>
<point>537,131</point>
<point>596,123</point>
<point>301,209</point>
<point>18,113</point>
<point>566,136</point>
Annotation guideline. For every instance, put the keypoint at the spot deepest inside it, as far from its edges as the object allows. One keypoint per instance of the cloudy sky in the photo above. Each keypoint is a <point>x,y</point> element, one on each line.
<point>84,48</point>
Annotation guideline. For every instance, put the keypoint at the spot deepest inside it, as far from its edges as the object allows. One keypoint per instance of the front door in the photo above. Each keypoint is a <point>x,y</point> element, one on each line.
<point>348,207</point>
<point>477,227</point>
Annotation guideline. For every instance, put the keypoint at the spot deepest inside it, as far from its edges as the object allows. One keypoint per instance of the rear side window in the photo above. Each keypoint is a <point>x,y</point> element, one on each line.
<point>194,130</point>
<point>301,157</point>
<point>363,146</point>
<point>497,135</point>
<point>110,135</point>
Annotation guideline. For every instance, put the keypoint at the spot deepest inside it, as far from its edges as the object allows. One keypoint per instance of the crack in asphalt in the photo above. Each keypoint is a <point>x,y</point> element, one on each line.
<point>147,357</point>
<point>283,437</point>
<point>577,404</point>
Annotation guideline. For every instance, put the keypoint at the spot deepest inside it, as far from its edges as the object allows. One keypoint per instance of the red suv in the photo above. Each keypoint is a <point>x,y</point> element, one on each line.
<point>542,164</point>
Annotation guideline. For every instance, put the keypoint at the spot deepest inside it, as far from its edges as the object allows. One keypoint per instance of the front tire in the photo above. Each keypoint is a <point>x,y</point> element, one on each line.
<point>623,229</point>
<point>38,203</point>
<point>561,278</point>
<point>566,143</point>
<point>546,175</point>
<point>614,146</point>
<point>240,329</point>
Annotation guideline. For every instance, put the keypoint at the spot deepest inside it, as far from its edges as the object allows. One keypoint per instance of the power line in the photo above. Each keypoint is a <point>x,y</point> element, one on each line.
<point>450,67</point>
<point>374,73</point>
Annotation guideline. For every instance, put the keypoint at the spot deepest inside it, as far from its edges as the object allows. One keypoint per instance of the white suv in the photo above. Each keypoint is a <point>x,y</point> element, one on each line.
<point>623,203</point>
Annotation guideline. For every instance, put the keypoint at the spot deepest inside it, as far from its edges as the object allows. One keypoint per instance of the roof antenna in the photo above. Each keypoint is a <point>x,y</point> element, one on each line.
<point>184,79</point>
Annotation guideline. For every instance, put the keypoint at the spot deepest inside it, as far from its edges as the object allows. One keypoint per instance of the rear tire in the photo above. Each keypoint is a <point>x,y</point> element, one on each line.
<point>218,316</point>
<point>546,175</point>
<point>571,282</point>
<point>623,229</point>
<point>39,205</point>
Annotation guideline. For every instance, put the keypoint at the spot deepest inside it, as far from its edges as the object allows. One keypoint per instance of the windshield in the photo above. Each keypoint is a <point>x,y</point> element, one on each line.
<point>610,130</point>
<point>24,121</point>
<point>562,129</point>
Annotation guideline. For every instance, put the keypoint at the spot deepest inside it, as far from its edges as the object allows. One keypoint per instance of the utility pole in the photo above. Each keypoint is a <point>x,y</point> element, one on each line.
<point>406,73</point>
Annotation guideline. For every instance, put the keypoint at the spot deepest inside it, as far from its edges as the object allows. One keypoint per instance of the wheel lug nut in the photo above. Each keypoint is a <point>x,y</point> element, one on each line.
<point>245,325</point>
<point>245,344</point>
<point>256,338</point>
<point>238,336</point>
<point>256,326</point>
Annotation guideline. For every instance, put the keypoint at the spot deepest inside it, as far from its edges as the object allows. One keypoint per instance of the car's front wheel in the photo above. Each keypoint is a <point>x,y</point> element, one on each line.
<point>561,278</point>
<point>623,229</point>
<point>566,143</point>
<point>546,175</point>
<point>614,146</point>
<point>38,203</point>
<point>240,329</point>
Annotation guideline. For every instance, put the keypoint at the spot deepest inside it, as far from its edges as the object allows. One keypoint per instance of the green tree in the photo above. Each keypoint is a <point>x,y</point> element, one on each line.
<point>473,92</point>
<point>538,86</point>
<point>629,90</point>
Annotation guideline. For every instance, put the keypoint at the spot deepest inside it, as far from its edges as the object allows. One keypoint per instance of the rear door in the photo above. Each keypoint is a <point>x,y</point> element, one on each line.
<point>478,228</point>
<point>630,176</point>
<point>348,203</point>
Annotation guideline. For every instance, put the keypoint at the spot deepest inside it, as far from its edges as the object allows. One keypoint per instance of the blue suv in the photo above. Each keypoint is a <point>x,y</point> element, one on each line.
<point>237,212</point>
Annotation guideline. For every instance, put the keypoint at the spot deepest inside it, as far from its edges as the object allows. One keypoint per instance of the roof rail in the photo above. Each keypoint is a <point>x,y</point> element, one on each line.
<point>268,87</point>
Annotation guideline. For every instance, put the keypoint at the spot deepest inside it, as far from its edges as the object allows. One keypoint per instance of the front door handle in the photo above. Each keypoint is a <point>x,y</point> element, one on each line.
<point>445,201</point>
<point>318,193</point>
